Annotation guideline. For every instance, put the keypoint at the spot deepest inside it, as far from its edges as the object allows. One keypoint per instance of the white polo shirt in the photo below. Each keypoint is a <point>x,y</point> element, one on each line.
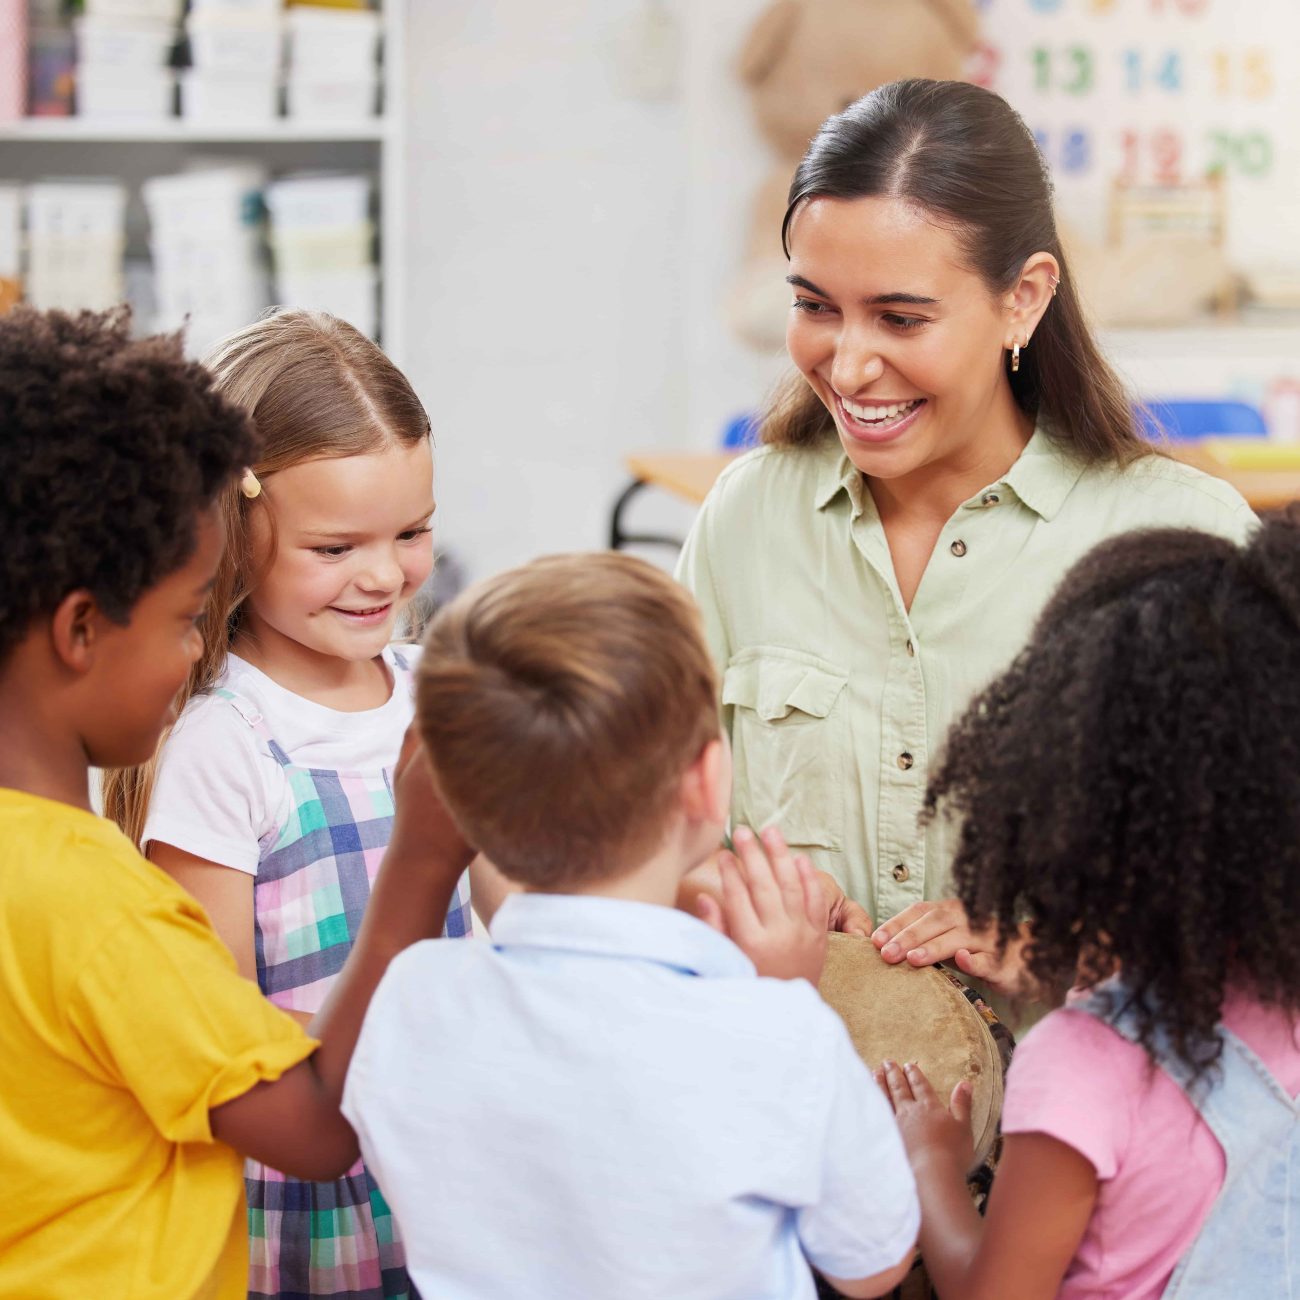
<point>606,1101</point>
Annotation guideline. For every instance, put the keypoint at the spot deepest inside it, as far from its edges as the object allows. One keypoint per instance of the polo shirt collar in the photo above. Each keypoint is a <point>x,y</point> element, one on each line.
<point>1042,477</point>
<point>615,927</point>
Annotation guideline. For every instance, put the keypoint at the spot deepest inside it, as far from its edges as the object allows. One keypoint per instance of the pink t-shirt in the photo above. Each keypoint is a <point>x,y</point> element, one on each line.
<point>1159,1166</point>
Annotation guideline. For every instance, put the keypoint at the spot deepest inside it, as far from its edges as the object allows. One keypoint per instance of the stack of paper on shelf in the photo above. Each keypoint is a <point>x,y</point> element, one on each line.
<point>124,50</point>
<point>76,239</point>
<point>205,236</point>
<point>237,52</point>
<point>333,63</point>
<point>322,246</point>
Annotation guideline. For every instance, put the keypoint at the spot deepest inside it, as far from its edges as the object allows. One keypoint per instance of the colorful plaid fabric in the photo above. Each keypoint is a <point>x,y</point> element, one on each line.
<point>335,1239</point>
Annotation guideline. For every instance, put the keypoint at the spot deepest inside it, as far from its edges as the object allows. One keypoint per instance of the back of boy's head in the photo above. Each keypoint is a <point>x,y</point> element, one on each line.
<point>1131,786</point>
<point>110,449</point>
<point>561,704</point>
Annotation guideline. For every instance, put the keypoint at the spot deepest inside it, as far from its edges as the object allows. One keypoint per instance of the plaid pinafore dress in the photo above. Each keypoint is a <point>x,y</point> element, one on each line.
<point>335,1239</point>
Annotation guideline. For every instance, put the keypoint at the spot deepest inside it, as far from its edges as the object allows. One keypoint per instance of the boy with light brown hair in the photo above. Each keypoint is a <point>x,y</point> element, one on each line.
<point>613,1097</point>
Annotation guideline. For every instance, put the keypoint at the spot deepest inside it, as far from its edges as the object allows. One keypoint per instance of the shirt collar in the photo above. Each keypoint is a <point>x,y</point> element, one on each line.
<point>839,474</point>
<point>1042,477</point>
<point>615,927</point>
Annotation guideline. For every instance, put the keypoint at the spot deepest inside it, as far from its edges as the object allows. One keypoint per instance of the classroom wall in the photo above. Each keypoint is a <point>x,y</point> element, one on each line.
<point>546,209</point>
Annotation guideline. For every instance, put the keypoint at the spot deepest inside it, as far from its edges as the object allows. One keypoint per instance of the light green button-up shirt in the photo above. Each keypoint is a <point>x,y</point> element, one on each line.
<point>836,698</point>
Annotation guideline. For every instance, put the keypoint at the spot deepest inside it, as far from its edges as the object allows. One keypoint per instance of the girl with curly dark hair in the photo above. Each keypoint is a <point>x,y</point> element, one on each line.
<point>1127,797</point>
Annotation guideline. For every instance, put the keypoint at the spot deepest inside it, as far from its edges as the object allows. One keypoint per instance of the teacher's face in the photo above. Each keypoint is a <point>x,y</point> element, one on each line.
<point>897,336</point>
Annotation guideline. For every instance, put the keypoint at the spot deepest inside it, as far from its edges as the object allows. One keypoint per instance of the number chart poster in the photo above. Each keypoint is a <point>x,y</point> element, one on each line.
<point>1159,92</point>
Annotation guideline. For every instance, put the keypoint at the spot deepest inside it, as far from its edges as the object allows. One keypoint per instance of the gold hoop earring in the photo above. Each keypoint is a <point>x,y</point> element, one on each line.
<point>1015,356</point>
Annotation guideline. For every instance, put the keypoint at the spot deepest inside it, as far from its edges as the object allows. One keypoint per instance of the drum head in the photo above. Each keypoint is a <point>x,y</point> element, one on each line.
<point>904,1013</point>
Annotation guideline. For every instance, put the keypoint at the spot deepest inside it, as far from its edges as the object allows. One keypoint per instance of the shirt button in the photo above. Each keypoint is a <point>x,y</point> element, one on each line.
<point>911,649</point>
<point>990,499</point>
<point>901,873</point>
<point>958,548</point>
<point>905,761</point>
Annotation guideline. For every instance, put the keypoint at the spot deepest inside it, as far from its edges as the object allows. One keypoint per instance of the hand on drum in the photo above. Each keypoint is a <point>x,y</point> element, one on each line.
<point>927,1125</point>
<point>929,932</point>
<point>846,916</point>
<point>771,906</point>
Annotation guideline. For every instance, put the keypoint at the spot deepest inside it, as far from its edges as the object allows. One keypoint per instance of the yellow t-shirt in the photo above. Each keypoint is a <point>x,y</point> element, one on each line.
<point>122,1023</point>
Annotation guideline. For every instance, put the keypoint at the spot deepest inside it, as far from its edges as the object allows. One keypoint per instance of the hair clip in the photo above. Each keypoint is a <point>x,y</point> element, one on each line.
<point>249,485</point>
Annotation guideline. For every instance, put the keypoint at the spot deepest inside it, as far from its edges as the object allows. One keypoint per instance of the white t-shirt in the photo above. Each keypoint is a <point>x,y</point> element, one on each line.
<point>222,796</point>
<point>605,1101</point>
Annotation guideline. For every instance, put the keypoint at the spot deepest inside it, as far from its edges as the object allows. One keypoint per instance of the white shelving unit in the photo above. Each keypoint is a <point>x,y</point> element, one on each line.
<point>24,156</point>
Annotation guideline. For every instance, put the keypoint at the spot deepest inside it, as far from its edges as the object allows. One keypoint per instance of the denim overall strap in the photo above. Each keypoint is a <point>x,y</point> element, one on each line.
<point>1249,1246</point>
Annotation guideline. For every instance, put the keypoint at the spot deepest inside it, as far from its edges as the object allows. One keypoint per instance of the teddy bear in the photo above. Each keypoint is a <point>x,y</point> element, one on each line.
<point>803,61</point>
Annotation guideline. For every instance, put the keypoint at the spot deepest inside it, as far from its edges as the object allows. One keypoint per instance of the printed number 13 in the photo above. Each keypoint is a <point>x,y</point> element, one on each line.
<point>1079,77</point>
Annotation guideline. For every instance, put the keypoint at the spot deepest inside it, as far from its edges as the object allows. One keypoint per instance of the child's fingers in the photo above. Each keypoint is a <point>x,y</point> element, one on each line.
<point>960,1104</point>
<point>412,749</point>
<point>920,1085</point>
<point>900,1088</point>
<point>816,907</point>
<point>709,911</point>
<point>757,872</point>
<point>879,1075</point>
<point>737,906</point>
<point>784,871</point>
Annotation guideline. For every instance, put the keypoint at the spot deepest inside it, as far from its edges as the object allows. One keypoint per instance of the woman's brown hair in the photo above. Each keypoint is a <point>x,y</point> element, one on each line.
<point>966,157</point>
<point>315,387</point>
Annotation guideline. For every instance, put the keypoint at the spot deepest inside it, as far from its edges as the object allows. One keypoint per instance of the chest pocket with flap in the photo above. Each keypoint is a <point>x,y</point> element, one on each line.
<point>787,739</point>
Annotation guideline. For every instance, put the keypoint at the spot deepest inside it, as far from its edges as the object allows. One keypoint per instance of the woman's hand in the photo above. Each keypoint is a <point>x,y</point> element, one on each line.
<point>771,906</point>
<point>929,932</point>
<point>929,1128</point>
<point>843,915</point>
<point>925,933</point>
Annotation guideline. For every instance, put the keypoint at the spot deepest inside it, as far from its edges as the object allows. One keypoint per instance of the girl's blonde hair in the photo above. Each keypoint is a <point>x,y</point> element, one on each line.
<point>314,387</point>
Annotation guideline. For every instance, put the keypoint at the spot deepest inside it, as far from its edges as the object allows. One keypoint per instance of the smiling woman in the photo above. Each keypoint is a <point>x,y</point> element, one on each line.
<point>951,441</point>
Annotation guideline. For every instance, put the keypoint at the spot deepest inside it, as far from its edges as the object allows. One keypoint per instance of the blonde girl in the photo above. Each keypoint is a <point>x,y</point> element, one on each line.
<point>271,799</point>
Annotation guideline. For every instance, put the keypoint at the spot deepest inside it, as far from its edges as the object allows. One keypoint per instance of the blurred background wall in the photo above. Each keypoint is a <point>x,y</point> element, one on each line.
<point>561,195</point>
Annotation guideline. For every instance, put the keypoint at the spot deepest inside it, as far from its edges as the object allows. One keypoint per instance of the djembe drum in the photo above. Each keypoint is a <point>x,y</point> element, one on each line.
<point>904,1013</point>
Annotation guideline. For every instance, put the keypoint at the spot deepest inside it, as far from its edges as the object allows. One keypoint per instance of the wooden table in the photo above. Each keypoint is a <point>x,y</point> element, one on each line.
<point>690,475</point>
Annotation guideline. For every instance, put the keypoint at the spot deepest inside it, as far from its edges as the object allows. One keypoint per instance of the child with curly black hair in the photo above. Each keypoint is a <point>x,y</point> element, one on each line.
<point>1129,802</point>
<point>136,1066</point>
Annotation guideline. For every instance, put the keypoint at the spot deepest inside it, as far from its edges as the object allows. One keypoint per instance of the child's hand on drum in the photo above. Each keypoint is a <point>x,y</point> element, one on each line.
<point>772,906</point>
<point>929,1128</point>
